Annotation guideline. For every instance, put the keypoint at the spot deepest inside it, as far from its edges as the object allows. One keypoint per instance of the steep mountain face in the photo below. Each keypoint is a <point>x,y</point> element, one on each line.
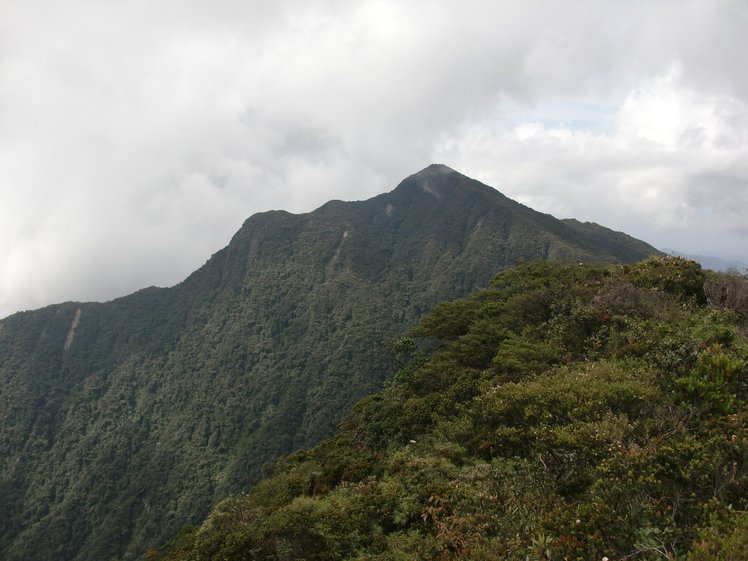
<point>121,422</point>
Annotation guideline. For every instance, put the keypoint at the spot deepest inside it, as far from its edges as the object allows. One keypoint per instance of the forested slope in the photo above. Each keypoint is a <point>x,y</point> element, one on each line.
<point>567,412</point>
<point>122,421</point>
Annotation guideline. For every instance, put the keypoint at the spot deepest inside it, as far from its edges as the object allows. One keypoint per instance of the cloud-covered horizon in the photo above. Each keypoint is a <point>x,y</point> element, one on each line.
<point>136,138</point>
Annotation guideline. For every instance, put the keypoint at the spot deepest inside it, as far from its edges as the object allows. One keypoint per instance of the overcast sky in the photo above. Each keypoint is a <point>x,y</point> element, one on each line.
<point>136,137</point>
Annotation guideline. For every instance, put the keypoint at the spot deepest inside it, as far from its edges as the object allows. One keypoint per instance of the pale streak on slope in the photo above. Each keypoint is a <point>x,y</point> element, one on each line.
<point>71,332</point>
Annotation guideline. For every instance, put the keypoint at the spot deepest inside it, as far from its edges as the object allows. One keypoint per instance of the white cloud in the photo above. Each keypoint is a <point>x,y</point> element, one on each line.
<point>136,137</point>
<point>673,165</point>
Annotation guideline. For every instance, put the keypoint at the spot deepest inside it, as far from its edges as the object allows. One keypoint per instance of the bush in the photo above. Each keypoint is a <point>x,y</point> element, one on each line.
<point>683,278</point>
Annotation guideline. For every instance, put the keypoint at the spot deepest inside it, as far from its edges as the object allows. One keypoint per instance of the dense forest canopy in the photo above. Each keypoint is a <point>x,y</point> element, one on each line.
<point>567,412</point>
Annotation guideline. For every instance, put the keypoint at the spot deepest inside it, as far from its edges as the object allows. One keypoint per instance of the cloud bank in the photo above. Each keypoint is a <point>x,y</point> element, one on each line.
<point>136,137</point>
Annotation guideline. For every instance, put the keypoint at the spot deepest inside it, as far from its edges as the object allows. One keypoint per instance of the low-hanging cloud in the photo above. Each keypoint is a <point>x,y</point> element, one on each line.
<point>136,137</point>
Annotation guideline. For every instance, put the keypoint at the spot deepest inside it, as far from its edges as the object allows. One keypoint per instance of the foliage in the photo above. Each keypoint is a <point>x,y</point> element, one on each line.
<point>729,291</point>
<point>610,420</point>
<point>725,539</point>
<point>680,277</point>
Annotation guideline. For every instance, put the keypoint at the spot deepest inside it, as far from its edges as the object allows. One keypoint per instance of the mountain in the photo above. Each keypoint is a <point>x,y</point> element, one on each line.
<point>568,412</point>
<point>120,422</point>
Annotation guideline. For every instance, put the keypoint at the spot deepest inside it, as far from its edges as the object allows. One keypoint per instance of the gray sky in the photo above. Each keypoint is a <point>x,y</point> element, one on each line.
<point>135,137</point>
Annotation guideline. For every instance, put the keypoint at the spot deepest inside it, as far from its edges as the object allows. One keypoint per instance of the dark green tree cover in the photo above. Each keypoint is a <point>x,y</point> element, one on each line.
<point>567,412</point>
<point>121,422</point>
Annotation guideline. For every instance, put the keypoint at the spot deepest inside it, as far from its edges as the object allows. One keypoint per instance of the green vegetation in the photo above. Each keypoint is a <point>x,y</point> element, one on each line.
<point>118,432</point>
<point>566,412</point>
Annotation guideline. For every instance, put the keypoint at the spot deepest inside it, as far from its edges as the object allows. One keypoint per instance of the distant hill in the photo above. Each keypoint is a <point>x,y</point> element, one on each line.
<point>711,262</point>
<point>120,422</point>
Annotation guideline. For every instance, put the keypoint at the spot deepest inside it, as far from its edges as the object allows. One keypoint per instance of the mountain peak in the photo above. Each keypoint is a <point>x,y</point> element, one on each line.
<point>436,173</point>
<point>437,169</point>
<point>439,180</point>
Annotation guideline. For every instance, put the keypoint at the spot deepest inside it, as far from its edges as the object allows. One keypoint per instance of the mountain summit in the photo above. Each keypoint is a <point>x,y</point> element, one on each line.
<point>121,422</point>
